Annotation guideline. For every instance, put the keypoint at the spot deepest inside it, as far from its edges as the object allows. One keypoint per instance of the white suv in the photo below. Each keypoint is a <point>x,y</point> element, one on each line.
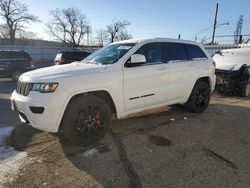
<point>120,79</point>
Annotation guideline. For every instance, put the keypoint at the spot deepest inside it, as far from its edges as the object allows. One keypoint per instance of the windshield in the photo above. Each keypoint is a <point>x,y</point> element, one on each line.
<point>109,54</point>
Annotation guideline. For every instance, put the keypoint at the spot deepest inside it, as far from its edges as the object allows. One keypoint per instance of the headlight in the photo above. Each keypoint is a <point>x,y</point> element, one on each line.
<point>44,87</point>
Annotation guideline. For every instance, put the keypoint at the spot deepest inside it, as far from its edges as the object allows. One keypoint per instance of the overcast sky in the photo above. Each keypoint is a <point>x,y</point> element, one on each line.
<point>152,18</point>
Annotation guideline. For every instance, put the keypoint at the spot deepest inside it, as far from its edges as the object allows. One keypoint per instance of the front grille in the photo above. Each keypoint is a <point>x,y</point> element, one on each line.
<point>23,88</point>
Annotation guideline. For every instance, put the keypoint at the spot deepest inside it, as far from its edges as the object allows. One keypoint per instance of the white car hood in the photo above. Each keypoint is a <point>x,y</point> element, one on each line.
<point>58,71</point>
<point>232,60</point>
<point>228,66</point>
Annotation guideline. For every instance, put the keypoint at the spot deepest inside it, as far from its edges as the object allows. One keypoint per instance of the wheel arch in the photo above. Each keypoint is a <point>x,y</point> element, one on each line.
<point>102,94</point>
<point>207,80</point>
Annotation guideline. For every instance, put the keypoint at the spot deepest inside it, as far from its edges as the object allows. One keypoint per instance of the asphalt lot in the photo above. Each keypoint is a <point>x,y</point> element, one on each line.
<point>167,148</point>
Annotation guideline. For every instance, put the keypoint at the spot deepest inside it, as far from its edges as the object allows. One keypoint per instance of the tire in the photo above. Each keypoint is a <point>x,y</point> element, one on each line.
<point>15,74</point>
<point>199,98</point>
<point>244,90</point>
<point>86,120</point>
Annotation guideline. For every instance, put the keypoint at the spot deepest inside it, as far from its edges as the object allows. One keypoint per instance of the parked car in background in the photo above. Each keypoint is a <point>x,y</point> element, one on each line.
<point>118,80</point>
<point>14,63</point>
<point>233,71</point>
<point>65,57</point>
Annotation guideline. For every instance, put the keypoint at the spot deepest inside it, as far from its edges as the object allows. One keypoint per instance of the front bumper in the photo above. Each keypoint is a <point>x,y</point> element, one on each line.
<point>52,103</point>
<point>229,82</point>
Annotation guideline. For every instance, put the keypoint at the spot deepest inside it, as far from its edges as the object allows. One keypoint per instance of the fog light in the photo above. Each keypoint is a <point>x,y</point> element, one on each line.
<point>37,110</point>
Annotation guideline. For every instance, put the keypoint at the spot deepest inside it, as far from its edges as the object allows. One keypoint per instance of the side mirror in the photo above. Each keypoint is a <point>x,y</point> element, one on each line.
<point>138,58</point>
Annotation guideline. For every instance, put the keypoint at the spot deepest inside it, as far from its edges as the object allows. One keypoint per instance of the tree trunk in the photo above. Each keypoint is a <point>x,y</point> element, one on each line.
<point>12,37</point>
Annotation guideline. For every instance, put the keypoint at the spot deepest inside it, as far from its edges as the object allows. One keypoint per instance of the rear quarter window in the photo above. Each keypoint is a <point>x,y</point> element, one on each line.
<point>195,52</point>
<point>26,55</point>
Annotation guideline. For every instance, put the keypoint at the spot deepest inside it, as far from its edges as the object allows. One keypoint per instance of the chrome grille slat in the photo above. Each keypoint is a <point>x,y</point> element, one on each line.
<point>23,88</point>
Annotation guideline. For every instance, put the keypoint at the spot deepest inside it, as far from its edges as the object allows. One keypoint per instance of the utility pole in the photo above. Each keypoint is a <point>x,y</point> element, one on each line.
<point>215,23</point>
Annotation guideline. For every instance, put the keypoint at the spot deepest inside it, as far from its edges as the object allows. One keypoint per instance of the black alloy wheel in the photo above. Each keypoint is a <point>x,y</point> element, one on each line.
<point>199,98</point>
<point>86,120</point>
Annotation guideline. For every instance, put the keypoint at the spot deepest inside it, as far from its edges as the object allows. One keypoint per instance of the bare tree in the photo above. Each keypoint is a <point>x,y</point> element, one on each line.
<point>68,26</point>
<point>101,37</point>
<point>15,16</point>
<point>115,28</point>
<point>123,35</point>
<point>4,34</point>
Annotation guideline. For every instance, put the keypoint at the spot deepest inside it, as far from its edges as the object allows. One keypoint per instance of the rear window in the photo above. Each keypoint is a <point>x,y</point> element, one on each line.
<point>195,52</point>
<point>174,52</point>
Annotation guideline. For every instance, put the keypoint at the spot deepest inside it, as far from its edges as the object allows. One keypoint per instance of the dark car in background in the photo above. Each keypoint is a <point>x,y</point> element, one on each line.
<point>14,63</point>
<point>65,57</point>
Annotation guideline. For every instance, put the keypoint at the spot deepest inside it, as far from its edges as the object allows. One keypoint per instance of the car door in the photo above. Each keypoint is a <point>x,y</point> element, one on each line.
<point>145,84</point>
<point>178,70</point>
<point>198,60</point>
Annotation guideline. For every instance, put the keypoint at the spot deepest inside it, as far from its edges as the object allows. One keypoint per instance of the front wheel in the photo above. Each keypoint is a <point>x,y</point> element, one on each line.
<point>199,98</point>
<point>86,120</point>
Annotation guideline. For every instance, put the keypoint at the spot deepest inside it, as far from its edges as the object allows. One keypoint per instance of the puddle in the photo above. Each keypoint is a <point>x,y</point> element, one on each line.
<point>160,141</point>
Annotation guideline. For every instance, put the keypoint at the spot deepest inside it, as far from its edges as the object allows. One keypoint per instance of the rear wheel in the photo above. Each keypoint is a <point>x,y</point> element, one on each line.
<point>16,74</point>
<point>199,98</point>
<point>86,120</point>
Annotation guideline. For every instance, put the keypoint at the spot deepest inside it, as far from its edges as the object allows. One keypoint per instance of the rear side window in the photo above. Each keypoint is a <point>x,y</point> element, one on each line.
<point>5,55</point>
<point>194,51</point>
<point>174,52</point>
<point>20,55</point>
<point>14,55</point>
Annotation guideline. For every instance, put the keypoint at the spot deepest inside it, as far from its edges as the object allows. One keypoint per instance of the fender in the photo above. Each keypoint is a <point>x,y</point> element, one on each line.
<point>71,95</point>
<point>193,84</point>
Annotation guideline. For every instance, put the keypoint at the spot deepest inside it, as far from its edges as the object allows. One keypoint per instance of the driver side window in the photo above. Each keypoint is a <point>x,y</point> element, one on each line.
<point>152,53</point>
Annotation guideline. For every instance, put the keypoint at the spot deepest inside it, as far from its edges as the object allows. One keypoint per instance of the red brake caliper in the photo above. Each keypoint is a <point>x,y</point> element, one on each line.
<point>98,119</point>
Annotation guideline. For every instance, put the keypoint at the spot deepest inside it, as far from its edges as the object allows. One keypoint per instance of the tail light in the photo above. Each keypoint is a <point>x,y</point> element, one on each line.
<point>31,63</point>
<point>62,61</point>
